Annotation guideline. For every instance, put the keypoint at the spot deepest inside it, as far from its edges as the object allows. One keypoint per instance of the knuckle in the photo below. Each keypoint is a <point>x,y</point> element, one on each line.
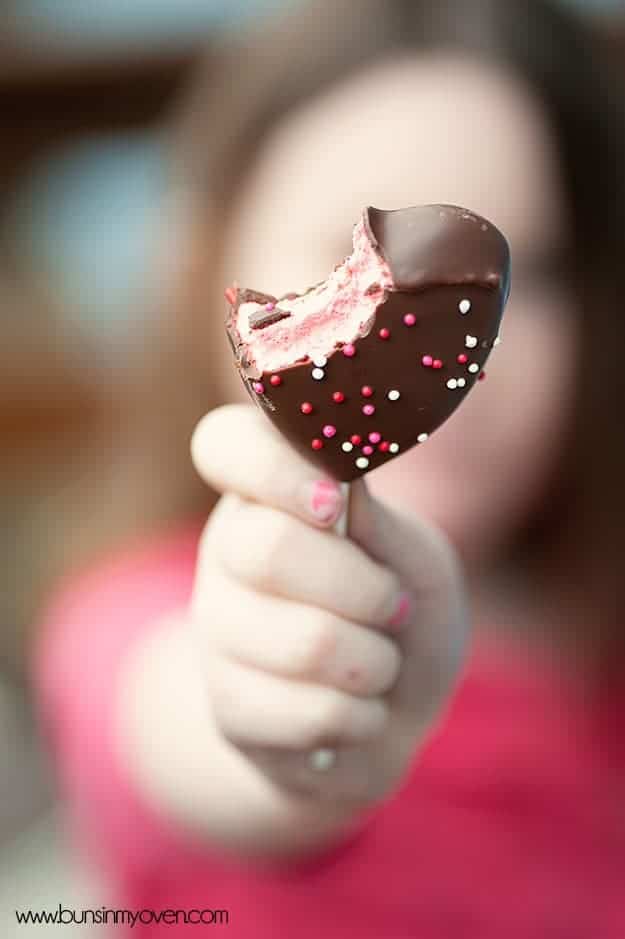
<point>269,536</point>
<point>327,722</point>
<point>317,641</point>
<point>386,590</point>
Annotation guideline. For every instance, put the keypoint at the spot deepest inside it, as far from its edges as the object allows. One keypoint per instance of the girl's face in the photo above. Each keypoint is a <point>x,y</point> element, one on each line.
<point>438,129</point>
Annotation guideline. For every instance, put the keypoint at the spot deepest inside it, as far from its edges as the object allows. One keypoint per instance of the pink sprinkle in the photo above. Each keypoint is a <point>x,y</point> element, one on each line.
<point>368,410</point>
<point>356,439</point>
<point>231,295</point>
<point>306,407</point>
<point>275,380</point>
<point>427,360</point>
<point>437,363</point>
<point>367,450</point>
<point>462,358</point>
<point>338,397</point>
<point>270,306</point>
<point>258,387</point>
<point>349,350</point>
<point>384,446</point>
<point>366,391</point>
<point>384,333</point>
<point>329,430</point>
<point>375,437</point>
<point>317,444</point>
<point>410,319</point>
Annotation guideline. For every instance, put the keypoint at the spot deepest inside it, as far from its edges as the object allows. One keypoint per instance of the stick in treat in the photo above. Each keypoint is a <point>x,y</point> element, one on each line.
<point>367,364</point>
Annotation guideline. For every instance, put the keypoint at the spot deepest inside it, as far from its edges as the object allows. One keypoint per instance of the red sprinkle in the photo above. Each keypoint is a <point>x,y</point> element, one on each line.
<point>356,439</point>
<point>384,333</point>
<point>338,397</point>
<point>366,391</point>
<point>306,407</point>
<point>367,450</point>
<point>481,376</point>
<point>410,319</point>
<point>230,294</point>
<point>329,430</point>
<point>462,358</point>
<point>258,387</point>
<point>384,446</point>
<point>427,360</point>
<point>368,410</point>
<point>275,380</point>
<point>349,350</point>
<point>375,437</point>
<point>317,444</point>
<point>437,363</point>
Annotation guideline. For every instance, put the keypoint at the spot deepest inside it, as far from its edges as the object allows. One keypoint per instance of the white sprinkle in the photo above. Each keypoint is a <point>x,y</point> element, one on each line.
<point>320,361</point>
<point>464,306</point>
<point>470,342</point>
<point>452,383</point>
<point>474,367</point>
<point>462,382</point>
<point>347,447</point>
<point>394,448</point>
<point>393,395</point>
<point>422,438</point>
<point>497,341</point>
<point>362,462</point>
<point>318,374</point>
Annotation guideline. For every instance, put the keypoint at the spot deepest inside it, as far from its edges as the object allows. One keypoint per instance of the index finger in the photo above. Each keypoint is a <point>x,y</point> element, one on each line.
<point>236,449</point>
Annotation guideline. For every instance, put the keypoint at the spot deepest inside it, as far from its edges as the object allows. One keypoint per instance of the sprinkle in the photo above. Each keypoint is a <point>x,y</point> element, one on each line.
<point>362,462</point>
<point>384,333</point>
<point>320,361</point>
<point>318,374</point>
<point>464,306</point>
<point>275,380</point>
<point>270,306</point>
<point>462,359</point>
<point>427,360</point>
<point>230,294</point>
<point>367,450</point>
<point>375,437</point>
<point>317,444</point>
<point>349,350</point>
<point>452,383</point>
<point>481,376</point>
<point>338,397</point>
<point>393,395</point>
<point>410,319</point>
<point>384,446</point>
<point>462,382</point>
<point>470,342</point>
<point>394,448</point>
<point>366,391</point>
<point>306,407</point>
<point>368,410</point>
<point>422,438</point>
<point>474,367</point>
<point>356,439</point>
<point>437,363</point>
<point>329,430</point>
<point>347,447</point>
<point>497,341</point>
<point>258,387</point>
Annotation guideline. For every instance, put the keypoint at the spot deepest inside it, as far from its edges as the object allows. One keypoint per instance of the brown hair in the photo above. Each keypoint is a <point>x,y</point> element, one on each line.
<point>253,81</point>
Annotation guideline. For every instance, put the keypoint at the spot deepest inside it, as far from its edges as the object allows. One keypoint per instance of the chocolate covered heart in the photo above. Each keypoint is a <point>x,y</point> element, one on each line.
<point>370,362</point>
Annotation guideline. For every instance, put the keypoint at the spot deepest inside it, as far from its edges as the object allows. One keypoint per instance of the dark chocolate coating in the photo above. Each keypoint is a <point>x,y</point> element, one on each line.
<point>439,256</point>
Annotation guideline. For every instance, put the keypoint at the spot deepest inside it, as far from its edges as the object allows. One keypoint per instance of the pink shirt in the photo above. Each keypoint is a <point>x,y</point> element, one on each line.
<point>511,824</point>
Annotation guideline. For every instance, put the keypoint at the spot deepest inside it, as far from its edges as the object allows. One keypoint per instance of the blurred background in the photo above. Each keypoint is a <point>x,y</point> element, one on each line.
<point>86,89</point>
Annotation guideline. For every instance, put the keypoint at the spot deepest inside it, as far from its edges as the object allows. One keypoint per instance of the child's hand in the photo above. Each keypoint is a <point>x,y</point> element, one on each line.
<point>309,640</point>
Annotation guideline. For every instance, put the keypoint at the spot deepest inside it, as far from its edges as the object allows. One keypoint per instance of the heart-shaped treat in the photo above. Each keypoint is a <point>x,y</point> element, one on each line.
<point>368,363</point>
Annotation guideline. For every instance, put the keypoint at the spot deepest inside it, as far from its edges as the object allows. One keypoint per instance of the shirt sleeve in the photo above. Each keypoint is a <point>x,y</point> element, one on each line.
<point>86,631</point>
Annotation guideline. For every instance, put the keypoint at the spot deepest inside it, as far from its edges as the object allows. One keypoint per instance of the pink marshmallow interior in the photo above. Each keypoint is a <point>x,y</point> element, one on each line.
<point>335,312</point>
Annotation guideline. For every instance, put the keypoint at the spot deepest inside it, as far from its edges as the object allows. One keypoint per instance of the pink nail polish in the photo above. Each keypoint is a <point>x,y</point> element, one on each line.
<point>402,612</point>
<point>325,501</point>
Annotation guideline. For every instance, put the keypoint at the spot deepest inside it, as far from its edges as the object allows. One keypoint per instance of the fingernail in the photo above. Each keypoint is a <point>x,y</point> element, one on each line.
<point>324,500</point>
<point>402,611</point>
